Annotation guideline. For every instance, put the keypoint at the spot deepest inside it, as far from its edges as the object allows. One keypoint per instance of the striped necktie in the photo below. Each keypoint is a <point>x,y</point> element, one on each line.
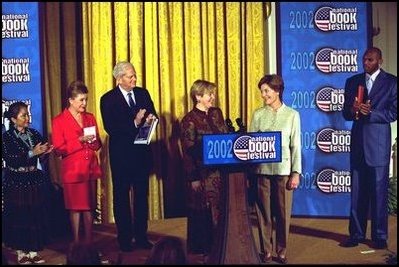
<point>131,101</point>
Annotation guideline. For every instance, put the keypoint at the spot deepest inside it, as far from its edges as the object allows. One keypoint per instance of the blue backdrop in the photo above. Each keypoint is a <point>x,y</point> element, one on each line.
<point>21,60</point>
<point>321,44</point>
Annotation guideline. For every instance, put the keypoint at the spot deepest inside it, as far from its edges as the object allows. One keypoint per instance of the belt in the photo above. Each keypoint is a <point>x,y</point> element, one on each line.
<point>23,169</point>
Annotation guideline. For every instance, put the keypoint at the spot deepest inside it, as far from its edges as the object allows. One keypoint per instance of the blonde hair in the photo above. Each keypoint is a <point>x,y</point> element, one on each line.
<point>201,87</point>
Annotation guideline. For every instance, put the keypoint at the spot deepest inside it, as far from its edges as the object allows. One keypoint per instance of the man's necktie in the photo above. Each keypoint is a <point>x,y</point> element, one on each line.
<point>369,84</point>
<point>131,102</point>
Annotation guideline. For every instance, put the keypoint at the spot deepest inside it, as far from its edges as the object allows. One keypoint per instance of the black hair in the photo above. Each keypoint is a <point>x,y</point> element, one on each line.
<point>14,110</point>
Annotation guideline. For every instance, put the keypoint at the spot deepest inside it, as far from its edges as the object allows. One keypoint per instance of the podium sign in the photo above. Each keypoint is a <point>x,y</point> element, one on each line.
<point>234,148</point>
<point>233,240</point>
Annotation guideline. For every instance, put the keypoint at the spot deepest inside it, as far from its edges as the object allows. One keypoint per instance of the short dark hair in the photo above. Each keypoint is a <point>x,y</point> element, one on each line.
<point>275,82</point>
<point>374,50</point>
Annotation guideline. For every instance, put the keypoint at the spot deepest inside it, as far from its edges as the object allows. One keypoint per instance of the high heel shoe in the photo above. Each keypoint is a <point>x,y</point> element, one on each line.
<point>282,259</point>
<point>267,257</point>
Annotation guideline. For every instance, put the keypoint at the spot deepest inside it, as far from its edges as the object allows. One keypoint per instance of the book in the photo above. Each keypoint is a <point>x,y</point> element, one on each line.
<point>146,132</point>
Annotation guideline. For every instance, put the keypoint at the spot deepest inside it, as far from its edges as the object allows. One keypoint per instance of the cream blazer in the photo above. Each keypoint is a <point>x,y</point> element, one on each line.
<point>286,120</point>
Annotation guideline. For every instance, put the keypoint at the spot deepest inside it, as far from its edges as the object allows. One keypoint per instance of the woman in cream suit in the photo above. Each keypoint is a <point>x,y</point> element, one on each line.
<point>277,180</point>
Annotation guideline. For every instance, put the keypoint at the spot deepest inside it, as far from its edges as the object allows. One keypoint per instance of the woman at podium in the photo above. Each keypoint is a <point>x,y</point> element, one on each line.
<point>204,184</point>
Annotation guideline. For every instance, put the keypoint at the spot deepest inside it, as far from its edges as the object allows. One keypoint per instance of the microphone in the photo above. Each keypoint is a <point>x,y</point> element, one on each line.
<point>230,126</point>
<point>241,127</point>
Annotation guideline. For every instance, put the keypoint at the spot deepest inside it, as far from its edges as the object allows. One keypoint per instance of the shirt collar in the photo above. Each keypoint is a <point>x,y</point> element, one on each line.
<point>124,92</point>
<point>278,110</point>
<point>373,76</point>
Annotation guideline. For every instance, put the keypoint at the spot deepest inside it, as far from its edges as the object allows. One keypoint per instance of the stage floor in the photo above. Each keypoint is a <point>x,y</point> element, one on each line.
<point>312,241</point>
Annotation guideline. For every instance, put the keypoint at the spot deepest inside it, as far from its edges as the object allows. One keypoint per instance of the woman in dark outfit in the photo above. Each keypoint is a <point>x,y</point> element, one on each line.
<point>205,187</point>
<point>25,187</point>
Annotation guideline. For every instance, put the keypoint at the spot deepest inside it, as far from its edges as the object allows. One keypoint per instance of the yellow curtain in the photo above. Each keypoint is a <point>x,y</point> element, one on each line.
<point>60,63</point>
<point>171,45</point>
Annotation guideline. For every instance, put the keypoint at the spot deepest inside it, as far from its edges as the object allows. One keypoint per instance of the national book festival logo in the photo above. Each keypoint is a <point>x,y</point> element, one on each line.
<point>14,26</point>
<point>329,99</point>
<point>15,70</point>
<point>332,181</point>
<point>330,140</point>
<point>329,60</point>
<point>336,19</point>
<point>254,148</point>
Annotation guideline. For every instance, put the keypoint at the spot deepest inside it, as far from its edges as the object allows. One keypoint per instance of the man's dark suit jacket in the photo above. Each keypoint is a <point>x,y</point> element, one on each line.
<point>127,159</point>
<point>372,133</point>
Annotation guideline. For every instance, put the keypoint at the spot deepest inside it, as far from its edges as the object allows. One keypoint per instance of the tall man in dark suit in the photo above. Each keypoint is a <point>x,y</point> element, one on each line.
<point>370,148</point>
<point>124,110</point>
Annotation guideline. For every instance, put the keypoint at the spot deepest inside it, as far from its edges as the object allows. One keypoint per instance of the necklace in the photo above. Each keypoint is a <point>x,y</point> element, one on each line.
<point>25,137</point>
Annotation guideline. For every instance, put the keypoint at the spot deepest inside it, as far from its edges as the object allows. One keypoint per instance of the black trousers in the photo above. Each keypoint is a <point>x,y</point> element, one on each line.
<point>130,223</point>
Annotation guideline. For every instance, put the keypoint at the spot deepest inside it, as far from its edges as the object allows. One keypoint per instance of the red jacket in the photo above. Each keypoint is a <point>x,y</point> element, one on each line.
<point>79,161</point>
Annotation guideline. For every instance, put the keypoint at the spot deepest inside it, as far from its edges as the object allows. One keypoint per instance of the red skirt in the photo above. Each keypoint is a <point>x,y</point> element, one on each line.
<point>80,196</point>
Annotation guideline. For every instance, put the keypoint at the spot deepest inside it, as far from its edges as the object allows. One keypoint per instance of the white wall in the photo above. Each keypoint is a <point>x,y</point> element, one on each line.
<point>385,18</point>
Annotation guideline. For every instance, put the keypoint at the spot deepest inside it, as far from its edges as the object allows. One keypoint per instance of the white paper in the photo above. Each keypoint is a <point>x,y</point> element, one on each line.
<point>90,131</point>
<point>367,251</point>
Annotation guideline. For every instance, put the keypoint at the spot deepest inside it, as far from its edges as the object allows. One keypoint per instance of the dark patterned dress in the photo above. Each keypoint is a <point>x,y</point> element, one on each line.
<point>25,191</point>
<point>204,207</point>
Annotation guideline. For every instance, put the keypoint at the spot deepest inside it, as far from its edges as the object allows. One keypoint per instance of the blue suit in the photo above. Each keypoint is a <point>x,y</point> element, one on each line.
<point>370,154</point>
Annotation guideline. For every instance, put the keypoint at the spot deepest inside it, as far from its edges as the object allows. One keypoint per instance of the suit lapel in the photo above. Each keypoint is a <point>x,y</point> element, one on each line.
<point>121,99</point>
<point>72,122</point>
<point>137,96</point>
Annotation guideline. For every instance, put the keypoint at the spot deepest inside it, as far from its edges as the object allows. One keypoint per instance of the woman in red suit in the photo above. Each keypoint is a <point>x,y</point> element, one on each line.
<point>76,140</point>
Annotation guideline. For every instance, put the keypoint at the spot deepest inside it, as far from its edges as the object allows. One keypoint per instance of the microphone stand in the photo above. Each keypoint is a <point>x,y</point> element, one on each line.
<point>230,126</point>
<point>241,127</point>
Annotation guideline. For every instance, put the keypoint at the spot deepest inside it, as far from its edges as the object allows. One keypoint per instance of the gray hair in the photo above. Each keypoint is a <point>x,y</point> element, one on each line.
<point>120,68</point>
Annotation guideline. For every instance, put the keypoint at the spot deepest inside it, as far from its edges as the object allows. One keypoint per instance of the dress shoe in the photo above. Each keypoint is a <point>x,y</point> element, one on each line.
<point>126,247</point>
<point>24,260</point>
<point>197,251</point>
<point>267,257</point>
<point>350,243</point>
<point>282,259</point>
<point>145,244</point>
<point>380,244</point>
<point>37,259</point>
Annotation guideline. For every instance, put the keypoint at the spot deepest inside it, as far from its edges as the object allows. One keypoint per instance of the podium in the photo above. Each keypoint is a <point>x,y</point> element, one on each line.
<point>233,241</point>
